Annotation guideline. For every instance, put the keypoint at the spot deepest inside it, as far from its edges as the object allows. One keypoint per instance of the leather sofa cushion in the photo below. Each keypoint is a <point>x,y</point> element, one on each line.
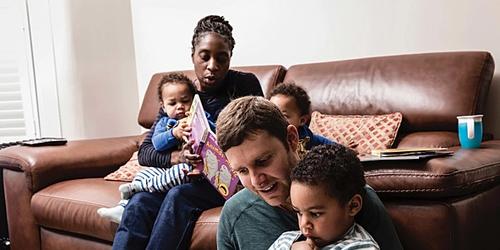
<point>57,240</point>
<point>71,206</point>
<point>436,139</point>
<point>454,223</point>
<point>206,230</point>
<point>465,172</point>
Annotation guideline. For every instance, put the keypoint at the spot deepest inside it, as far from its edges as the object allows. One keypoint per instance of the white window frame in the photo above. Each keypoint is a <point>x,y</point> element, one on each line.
<point>44,64</point>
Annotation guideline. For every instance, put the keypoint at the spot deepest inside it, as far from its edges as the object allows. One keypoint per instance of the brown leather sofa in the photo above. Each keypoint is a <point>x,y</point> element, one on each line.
<point>52,193</point>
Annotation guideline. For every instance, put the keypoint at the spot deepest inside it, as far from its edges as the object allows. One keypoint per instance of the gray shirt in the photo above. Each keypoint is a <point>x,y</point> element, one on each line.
<point>356,238</point>
<point>248,222</point>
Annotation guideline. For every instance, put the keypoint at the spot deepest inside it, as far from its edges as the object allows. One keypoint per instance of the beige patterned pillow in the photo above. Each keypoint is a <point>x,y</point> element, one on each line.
<point>126,172</point>
<point>363,133</point>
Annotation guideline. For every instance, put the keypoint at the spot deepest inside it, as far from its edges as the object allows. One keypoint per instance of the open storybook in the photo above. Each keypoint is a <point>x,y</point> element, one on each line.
<point>214,163</point>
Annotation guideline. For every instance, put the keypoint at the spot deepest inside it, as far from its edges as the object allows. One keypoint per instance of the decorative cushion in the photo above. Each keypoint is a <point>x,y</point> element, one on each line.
<point>363,133</point>
<point>126,172</point>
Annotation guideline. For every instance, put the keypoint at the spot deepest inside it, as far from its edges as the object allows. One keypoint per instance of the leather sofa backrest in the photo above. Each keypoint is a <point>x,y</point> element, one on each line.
<point>268,75</point>
<point>429,89</point>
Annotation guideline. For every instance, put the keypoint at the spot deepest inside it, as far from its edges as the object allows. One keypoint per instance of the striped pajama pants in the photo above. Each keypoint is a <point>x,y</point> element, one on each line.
<point>162,179</point>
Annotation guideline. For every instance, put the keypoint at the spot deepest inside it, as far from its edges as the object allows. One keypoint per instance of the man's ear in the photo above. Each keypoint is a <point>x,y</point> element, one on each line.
<point>355,205</point>
<point>292,137</point>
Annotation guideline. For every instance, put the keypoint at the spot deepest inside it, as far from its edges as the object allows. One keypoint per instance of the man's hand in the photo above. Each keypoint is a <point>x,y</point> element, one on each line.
<point>194,174</point>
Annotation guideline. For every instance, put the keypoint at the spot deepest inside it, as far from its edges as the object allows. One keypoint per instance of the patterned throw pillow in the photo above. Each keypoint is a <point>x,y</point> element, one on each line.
<point>126,172</point>
<point>363,133</point>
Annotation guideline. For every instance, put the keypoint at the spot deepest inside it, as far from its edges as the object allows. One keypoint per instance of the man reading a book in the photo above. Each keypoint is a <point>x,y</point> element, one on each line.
<point>261,148</point>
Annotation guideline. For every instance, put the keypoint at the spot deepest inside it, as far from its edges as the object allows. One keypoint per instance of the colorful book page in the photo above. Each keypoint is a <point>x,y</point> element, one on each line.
<point>214,163</point>
<point>216,167</point>
<point>198,122</point>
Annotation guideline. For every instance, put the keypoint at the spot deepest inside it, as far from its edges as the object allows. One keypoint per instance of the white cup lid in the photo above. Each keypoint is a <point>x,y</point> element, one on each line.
<point>469,116</point>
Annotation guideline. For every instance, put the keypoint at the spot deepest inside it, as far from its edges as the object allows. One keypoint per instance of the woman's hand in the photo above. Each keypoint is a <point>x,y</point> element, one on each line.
<point>188,153</point>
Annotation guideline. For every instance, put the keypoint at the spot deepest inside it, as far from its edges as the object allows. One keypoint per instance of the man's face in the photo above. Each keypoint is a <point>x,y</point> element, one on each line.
<point>263,165</point>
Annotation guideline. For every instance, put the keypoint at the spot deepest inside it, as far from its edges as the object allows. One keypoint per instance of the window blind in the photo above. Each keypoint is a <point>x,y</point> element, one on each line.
<point>12,122</point>
<point>16,104</point>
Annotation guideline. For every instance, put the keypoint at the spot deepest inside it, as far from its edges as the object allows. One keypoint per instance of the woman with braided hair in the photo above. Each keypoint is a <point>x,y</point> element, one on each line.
<point>166,220</point>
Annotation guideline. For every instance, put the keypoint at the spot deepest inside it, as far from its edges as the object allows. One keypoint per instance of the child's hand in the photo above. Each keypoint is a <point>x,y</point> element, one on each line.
<point>304,245</point>
<point>182,130</point>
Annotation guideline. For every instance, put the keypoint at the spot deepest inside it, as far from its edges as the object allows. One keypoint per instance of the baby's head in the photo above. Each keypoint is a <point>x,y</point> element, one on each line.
<point>293,102</point>
<point>326,192</point>
<point>176,92</point>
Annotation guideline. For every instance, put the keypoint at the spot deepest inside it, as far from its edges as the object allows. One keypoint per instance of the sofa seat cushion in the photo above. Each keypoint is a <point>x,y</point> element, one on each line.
<point>71,206</point>
<point>456,223</point>
<point>205,230</point>
<point>466,171</point>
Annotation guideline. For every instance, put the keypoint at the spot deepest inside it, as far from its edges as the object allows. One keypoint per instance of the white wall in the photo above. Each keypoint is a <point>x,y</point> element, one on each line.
<point>88,49</point>
<point>288,32</point>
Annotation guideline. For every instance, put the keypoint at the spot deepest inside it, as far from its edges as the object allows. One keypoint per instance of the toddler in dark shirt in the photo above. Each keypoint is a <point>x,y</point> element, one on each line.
<point>295,104</point>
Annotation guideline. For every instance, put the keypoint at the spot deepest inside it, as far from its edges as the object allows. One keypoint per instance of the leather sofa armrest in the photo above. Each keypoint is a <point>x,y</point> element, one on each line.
<point>46,165</point>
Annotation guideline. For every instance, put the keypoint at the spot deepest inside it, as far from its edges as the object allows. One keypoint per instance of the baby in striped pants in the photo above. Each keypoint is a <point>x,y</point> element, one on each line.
<point>176,93</point>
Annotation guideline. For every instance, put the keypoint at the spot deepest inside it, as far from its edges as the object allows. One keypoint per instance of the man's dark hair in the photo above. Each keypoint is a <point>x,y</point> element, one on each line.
<point>334,167</point>
<point>248,116</point>
<point>216,24</point>
<point>299,94</point>
<point>176,78</point>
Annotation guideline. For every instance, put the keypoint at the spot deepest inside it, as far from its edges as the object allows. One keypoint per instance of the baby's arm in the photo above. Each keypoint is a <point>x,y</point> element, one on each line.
<point>163,136</point>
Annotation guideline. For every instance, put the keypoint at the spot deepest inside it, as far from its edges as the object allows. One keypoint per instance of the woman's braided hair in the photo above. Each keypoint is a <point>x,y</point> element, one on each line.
<point>216,24</point>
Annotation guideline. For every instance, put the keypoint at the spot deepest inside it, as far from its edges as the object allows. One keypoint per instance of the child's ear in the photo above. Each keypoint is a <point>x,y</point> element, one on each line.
<point>162,107</point>
<point>304,119</point>
<point>355,205</point>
